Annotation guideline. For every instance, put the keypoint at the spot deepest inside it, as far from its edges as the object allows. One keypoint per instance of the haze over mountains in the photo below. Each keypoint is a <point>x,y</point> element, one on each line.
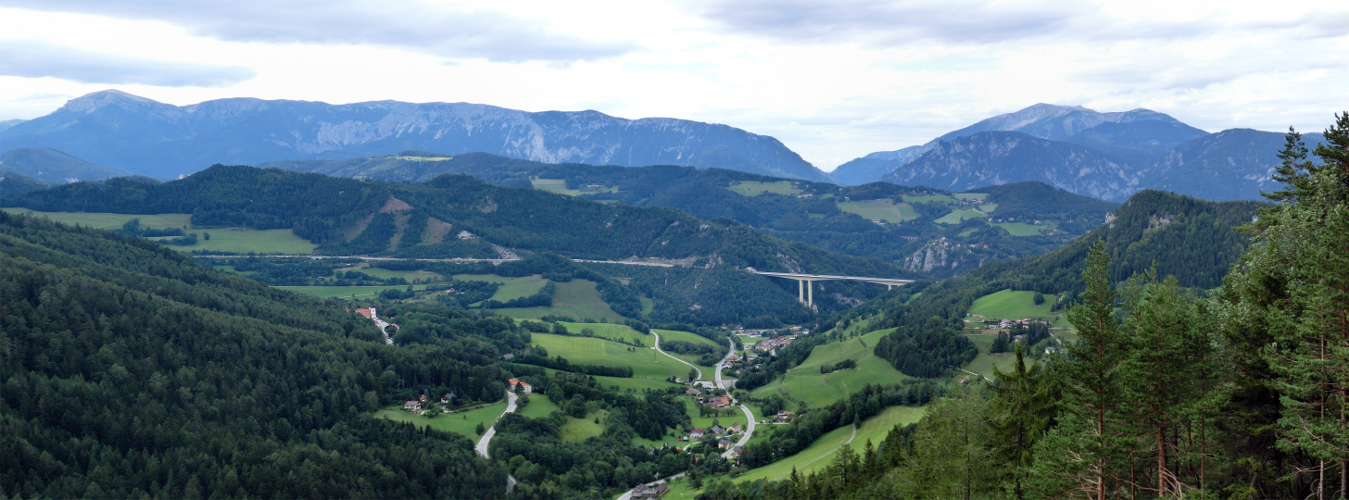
<point>146,137</point>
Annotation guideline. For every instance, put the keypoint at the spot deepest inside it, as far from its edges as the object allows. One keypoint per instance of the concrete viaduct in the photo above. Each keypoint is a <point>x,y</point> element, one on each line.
<point>803,282</point>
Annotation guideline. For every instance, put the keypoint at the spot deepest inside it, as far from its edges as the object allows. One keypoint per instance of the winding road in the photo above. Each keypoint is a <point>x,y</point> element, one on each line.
<point>749,415</point>
<point>657,347</point>
<point>487,436</point>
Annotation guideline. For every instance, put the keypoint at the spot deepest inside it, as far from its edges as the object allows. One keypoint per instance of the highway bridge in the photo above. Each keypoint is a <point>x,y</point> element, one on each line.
<point>803,282</point>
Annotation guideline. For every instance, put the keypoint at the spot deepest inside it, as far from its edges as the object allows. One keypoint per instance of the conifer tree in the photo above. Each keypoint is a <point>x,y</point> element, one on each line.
<point>1075,458</point>
<point>1021,408</point>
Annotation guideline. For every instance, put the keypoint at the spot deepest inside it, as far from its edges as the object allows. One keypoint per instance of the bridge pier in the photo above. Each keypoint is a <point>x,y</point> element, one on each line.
<point>805,293</point>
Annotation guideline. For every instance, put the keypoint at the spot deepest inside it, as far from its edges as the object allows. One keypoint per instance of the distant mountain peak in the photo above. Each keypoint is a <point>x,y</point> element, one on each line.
<point>94,101</point>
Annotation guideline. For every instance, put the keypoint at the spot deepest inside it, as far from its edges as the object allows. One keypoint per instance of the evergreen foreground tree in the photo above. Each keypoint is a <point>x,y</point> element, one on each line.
<point>1075,458</point>
<point>1287,304</point>
<point>1022,407</point>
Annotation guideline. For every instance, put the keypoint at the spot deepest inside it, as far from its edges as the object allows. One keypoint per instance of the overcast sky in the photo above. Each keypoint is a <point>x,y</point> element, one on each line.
<point>833,80</point>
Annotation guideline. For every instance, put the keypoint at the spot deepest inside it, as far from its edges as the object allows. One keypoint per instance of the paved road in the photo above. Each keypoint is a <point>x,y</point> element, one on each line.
<point>700,371</point>
<point>487,436</point>
<point>749,415</point>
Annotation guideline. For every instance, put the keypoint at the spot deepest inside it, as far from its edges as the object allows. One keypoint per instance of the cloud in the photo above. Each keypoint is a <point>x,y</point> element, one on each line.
<point>442,30</point>
<point>891,23</point>
<point>31,58</point>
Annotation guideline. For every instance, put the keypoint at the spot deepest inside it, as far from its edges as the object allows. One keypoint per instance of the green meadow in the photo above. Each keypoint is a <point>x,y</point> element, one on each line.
<point>756,188</point>
<point>1022,228</point>
<point>460,422</point>
<point>343,292</point>
<point>424,276</point>
<point>576,298</point>
<point>817,456</point>
<point>883,209</point>
<point>805,382</point>
<point>984,362</point>
<point>559,186</point>
<point>1009,304</point>
<point>511,288</point>
<point>110,221</point>
<point>646,363</point>
<point>612,332</point>
<point>959,215</point>
<point>539,406</point>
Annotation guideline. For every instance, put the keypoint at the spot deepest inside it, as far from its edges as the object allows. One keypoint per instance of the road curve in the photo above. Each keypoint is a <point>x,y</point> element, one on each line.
<point>487,436</point>
<point>749,415</point>
<point>657,347</point>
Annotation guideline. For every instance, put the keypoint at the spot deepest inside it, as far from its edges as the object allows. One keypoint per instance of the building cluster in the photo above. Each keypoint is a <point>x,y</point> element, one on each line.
<point>783,417</point>
<point>649,491</point>
<point>422,404</point>
<point>773,343</point>
<point>1009,323</point>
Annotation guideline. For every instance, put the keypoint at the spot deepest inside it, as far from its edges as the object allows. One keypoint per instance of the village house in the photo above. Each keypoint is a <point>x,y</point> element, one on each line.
<point>734,428</point>
<point>649,491</point>
<point>697,433</point>
<point>507,356</point>
<point>1006,323</point>
<point>717,429</point>
<point>412,406</point>
<point>736,450</point>
<point>692,392</point>
<point>783,417</point>
<point>719,402</point>
<point>524,387</point>
<point>724,443</point>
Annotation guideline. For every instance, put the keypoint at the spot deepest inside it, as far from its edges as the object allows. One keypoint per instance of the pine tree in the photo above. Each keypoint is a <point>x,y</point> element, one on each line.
<point>1075,458</point>
<point>1021,408</point>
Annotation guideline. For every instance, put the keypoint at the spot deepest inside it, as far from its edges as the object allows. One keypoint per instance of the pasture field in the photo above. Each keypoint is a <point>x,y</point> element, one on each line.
<point>1015,305</point>
<point>1022,228</point>
<point>984,362</point>
<point>988,208</point>
<point>805,382</point>
<point>576,298</point>
<point>539,406</point>
<point>957,216</point>
<point>756,188</point>
<point>511,288</point>
<point>625,384</point>
<point>928,198</point>
<point>343,292</point>
<point>883,209</point>
<point>239,240</point>
<point>110,221</point>
<point>559,186</point>
<point>578,429</point>
<point>460,422</point>
<point>648,305</point>
<point>646,363</point>
<point>874,428</point>
<point>970,196</point>
<point>425,276</point>
<point>668,335</point>
<point>612,332</point>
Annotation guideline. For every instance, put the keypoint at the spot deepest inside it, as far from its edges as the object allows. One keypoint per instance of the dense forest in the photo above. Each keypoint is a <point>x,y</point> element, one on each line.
<point>130,370</point>
<point>458,216</point>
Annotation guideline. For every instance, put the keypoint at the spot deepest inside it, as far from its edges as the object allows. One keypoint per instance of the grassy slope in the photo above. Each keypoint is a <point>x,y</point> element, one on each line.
<point>461,422</point>
<point>874,428</point>
<point>646,363</point>
<point>1021,228</point>
<point>755,188</point>
<point>426,276</point>
<point>577,298</point>
<point>222,240</point>
<point>806,383</point>
<point>511,288</point>
<point>668,335</point>
<point>329,292</point>
<point>983,363</point>
<point>1015,305</point>
<point>883,209</point>
<point>612,332</point>
<point>956,216</point>
<point>539,406</point>
<point>578,429</point>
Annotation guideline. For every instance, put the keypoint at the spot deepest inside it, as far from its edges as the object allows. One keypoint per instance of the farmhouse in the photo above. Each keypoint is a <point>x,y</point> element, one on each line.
<point>649,491</point>
<point>734,428</point>
<point>717,429</point>
<point>692,392</point>
<point>724,443</point>
<point>524,387</point>
<point>697,433</point>
<point>413,406</point>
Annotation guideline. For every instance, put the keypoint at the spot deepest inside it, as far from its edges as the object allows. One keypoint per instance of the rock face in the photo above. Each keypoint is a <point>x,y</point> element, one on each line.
<point>1234,164</point>
<point>146,137</point>
<point>937,254</point>
<point>990,158</point>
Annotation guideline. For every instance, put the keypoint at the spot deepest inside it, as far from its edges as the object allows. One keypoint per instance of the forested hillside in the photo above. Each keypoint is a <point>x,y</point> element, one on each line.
<point>130,370</point>
<point>921,228</point>
<point>458,216</point>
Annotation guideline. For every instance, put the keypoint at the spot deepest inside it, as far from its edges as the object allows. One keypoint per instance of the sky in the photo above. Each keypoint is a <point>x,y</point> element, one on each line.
<point>832,80</point>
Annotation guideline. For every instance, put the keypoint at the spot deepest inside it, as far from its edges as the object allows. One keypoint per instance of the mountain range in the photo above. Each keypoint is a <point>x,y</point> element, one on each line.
<point>159,140</point>
<point>1106,155</point>
<point>54,166</point>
